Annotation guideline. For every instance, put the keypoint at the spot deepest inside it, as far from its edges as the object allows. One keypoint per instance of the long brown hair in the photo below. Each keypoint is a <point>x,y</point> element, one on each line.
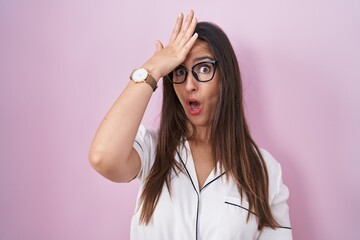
<point>231,142</point>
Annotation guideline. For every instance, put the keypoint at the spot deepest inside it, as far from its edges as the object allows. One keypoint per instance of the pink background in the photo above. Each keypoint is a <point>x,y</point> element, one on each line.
<point>63,63</point>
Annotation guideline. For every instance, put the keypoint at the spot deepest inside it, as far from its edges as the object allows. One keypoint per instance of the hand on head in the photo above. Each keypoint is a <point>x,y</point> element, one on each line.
<point>165,59</point>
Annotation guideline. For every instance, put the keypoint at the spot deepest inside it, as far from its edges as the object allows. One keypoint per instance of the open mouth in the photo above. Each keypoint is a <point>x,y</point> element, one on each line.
<point>194,105</point>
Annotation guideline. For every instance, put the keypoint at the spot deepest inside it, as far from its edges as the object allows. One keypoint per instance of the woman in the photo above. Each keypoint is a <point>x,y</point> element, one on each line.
<point>202,176</point>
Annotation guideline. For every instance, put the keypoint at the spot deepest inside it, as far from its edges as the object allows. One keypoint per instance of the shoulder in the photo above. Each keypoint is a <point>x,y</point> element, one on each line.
<point>272,165</point>
<point>145,138</point>
<point>145,145</point>
<point>274,172</point>
<point>149,133</point>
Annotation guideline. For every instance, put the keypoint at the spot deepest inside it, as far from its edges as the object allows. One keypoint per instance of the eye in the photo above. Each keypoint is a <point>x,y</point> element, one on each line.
<point>204,68</point>
<point>180,71</point>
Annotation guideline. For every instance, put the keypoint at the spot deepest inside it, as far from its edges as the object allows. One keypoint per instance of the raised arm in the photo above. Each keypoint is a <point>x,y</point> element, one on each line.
<point>112,153</point>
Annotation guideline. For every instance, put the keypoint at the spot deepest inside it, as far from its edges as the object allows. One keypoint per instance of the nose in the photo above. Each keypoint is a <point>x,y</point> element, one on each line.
<point>191,84</point>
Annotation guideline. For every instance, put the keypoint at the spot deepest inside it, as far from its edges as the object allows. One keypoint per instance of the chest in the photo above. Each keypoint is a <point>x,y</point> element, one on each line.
<point>216,212</point>
<point>212,211</point>
<point>203,163</point>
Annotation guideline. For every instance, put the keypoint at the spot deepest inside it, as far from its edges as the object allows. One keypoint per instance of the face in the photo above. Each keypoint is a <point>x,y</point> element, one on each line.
<point>199,99</point>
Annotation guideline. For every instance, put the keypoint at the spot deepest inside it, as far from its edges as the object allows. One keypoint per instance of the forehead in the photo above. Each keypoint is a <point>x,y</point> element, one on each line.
<point>200,51</point>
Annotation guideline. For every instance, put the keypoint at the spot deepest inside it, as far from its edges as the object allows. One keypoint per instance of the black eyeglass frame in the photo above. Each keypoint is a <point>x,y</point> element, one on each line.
<point>212,62</point>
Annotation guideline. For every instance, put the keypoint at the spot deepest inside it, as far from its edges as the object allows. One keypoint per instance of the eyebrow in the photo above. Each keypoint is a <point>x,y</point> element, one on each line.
<point>202,58</point>
<point>199,59</point>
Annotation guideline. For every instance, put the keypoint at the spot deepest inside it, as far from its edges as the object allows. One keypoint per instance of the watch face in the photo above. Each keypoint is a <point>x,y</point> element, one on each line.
<point>139,75</point>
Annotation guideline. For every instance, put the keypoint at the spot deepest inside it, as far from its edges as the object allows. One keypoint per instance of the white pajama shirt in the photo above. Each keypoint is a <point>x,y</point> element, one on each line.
<point>214,212</point>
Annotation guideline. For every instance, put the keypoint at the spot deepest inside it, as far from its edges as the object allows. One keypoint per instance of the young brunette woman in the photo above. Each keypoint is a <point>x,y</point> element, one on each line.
<point>201,174</point>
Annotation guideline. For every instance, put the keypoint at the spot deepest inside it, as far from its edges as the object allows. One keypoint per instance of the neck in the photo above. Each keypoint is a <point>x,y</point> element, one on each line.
<point>199,134</point>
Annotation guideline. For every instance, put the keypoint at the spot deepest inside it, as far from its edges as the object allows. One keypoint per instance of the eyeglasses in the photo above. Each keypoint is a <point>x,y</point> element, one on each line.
<point>202,72</point>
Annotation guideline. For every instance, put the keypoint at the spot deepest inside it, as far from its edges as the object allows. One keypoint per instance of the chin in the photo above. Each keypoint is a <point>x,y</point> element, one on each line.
<point>199,122</point>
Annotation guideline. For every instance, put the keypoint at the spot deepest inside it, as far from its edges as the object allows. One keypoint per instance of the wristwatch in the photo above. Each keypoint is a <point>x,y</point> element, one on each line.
<point>141,75</point>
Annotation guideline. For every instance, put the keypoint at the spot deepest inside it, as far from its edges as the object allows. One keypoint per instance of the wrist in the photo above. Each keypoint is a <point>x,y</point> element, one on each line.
<point>153,72</point>
<point>142,75</point>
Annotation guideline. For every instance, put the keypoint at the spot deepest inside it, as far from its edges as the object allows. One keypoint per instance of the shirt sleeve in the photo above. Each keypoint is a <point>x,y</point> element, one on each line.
<point>278,196</point>
<point>145,145</point>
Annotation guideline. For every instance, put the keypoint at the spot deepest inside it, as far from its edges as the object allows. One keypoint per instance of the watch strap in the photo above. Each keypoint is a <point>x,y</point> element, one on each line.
<point>151,81</point>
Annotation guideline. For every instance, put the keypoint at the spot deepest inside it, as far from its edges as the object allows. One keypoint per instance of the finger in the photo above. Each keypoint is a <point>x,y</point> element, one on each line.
<point>188,20</point>
<point>189,44</point>
<point>189,32</point>
<point>177,27</point>
<point>158,45</point>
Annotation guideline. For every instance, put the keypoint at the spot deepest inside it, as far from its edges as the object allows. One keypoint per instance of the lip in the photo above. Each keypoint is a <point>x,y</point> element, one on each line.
<point>191,111</point>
